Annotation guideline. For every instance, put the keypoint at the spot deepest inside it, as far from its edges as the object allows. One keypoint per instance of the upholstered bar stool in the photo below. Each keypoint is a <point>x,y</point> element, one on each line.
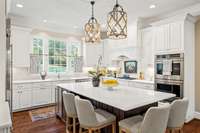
<point>154,121</point>
<point>93,120</point>
<point>71,115</point>
<point>177,115</point>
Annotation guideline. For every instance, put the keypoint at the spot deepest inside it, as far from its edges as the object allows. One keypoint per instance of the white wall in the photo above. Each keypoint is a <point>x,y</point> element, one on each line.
<point>2,49</point>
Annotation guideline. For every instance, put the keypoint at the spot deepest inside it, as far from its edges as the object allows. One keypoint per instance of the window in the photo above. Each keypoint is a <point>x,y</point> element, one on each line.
<point>37,46</point>
<point>57,56</point>
<point>37,55</point>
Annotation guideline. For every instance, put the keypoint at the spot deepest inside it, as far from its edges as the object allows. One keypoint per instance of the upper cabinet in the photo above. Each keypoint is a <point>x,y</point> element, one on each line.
<point>20,40</point>
<point>169,37</point>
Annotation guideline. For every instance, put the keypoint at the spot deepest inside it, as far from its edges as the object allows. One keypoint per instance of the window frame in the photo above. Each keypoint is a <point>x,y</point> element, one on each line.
<point>68,43</point>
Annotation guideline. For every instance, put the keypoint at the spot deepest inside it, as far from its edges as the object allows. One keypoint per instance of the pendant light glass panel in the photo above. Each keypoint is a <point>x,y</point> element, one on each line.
<point>92,29</point>
<point>117,23</point>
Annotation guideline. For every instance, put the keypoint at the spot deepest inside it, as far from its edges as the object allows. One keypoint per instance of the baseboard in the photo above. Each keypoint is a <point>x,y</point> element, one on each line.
<point>189,118</point>
<point>197,115</point>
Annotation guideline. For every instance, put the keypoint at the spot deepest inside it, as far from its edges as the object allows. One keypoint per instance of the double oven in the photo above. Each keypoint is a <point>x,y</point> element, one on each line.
<point>169,73</point>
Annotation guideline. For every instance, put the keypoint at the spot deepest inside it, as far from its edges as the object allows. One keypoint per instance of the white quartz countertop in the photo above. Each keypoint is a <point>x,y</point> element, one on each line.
<point>5,119</point>
<point>49,80</point>
<point>142,81</point>
<point>122,97</point>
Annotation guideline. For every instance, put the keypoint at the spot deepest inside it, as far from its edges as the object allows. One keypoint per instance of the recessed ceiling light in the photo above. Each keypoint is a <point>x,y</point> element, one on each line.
<point>44,20</point>
<point>19,5</point>
<point>152,6</point>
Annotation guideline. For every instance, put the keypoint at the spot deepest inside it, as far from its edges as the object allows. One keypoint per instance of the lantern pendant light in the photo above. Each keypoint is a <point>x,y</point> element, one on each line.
<point>92,28</point>
<point>117,23</point>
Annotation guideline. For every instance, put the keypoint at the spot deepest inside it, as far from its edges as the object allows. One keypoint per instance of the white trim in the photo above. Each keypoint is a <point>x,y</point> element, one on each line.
<point>189,118</point>
<point>197,115</point>
<point>194,10</point>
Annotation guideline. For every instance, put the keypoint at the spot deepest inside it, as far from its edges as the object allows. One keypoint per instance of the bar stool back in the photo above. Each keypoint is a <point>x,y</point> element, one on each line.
<point>177,115</point>
<point>155,120</point>
<point>91,119</point>
<point>69,104</point>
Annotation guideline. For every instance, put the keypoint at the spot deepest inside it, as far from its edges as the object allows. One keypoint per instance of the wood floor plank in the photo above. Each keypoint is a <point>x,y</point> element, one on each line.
<point>22,124</point>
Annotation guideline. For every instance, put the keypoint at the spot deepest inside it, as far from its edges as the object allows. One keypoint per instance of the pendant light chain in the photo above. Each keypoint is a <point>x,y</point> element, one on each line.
<point>117,3</point>
<point>92,3</point>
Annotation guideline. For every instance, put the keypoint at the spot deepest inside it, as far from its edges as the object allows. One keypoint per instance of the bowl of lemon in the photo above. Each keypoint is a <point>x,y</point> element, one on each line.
<point>110,83</point>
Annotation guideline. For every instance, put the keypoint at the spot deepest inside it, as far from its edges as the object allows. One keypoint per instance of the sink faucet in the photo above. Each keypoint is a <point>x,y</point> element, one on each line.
<point>58,74</point>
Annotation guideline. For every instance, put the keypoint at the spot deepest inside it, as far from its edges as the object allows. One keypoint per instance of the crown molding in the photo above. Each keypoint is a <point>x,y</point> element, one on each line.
<point>180,15</point>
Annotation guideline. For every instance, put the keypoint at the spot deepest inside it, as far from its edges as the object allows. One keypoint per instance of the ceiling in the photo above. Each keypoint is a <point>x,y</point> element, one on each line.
<point>73,14</point>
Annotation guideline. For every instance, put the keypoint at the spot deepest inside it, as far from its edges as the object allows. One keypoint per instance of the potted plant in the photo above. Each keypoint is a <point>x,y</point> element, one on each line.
<point>95,77</point>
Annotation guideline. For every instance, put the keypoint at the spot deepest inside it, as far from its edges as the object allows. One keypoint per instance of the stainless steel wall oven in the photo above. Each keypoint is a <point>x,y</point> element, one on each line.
<point>169,73</point>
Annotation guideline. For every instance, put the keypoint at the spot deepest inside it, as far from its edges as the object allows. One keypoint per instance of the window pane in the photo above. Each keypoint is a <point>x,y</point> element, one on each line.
<point>37,58</point>
<point>51,44</point>
<point>51,52</point>
<point>57,56</point>
<point>51,60</point>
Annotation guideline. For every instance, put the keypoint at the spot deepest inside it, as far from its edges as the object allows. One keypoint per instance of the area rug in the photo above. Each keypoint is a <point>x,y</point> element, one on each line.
<point>42,113</point>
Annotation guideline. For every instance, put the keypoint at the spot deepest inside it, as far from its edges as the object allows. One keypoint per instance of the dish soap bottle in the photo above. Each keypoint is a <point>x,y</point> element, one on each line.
<point>141,76</point>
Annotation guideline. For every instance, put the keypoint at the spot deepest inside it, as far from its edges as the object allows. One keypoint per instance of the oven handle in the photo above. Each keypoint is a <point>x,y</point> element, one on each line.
<point>169,82</point>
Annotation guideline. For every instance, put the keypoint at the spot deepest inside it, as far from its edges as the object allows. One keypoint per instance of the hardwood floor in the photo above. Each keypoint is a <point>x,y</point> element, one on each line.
<point>22,124</point>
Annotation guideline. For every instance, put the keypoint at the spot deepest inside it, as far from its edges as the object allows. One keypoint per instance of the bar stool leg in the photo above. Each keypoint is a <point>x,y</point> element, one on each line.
<point>66,123</point>
<point>114,127</point>
<point>74,125</point>
<point>80,130</point>
<point>120,130</point>
<point>90,130</point>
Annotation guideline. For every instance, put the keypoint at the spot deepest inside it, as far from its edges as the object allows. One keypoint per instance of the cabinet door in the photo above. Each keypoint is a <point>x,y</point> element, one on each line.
<point>53,93</point>
<point>41,95</point>
<point>25,98</point>
<point>159,38</point>
<point>162,38</point>
<point>176,36</point>
<point>20,38</point>
<point>15,100</point>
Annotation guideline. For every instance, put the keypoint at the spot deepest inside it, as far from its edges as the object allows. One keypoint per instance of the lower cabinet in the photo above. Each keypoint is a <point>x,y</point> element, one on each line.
<point>22,97</point>
<point>26,95</point>
<point>41,95</point>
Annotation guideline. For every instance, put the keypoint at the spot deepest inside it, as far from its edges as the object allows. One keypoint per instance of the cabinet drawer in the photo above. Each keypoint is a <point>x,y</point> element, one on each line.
<point>20,87</point>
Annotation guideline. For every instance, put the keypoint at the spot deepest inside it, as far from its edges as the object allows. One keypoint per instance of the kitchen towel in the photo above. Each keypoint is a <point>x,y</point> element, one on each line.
<point>167,67</point>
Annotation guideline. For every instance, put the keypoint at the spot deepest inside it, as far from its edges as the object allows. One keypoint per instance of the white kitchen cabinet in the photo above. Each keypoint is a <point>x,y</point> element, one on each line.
<point>22,96</point>
<point>176,36</point>
<point>41,94</point>
<point>169,37</point>
<point>21,40</point>
<point>25,98</point>
<point>16,100</point>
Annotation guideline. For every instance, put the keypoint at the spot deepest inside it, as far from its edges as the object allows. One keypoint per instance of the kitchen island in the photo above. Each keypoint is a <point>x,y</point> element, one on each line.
<point>121,101</point>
